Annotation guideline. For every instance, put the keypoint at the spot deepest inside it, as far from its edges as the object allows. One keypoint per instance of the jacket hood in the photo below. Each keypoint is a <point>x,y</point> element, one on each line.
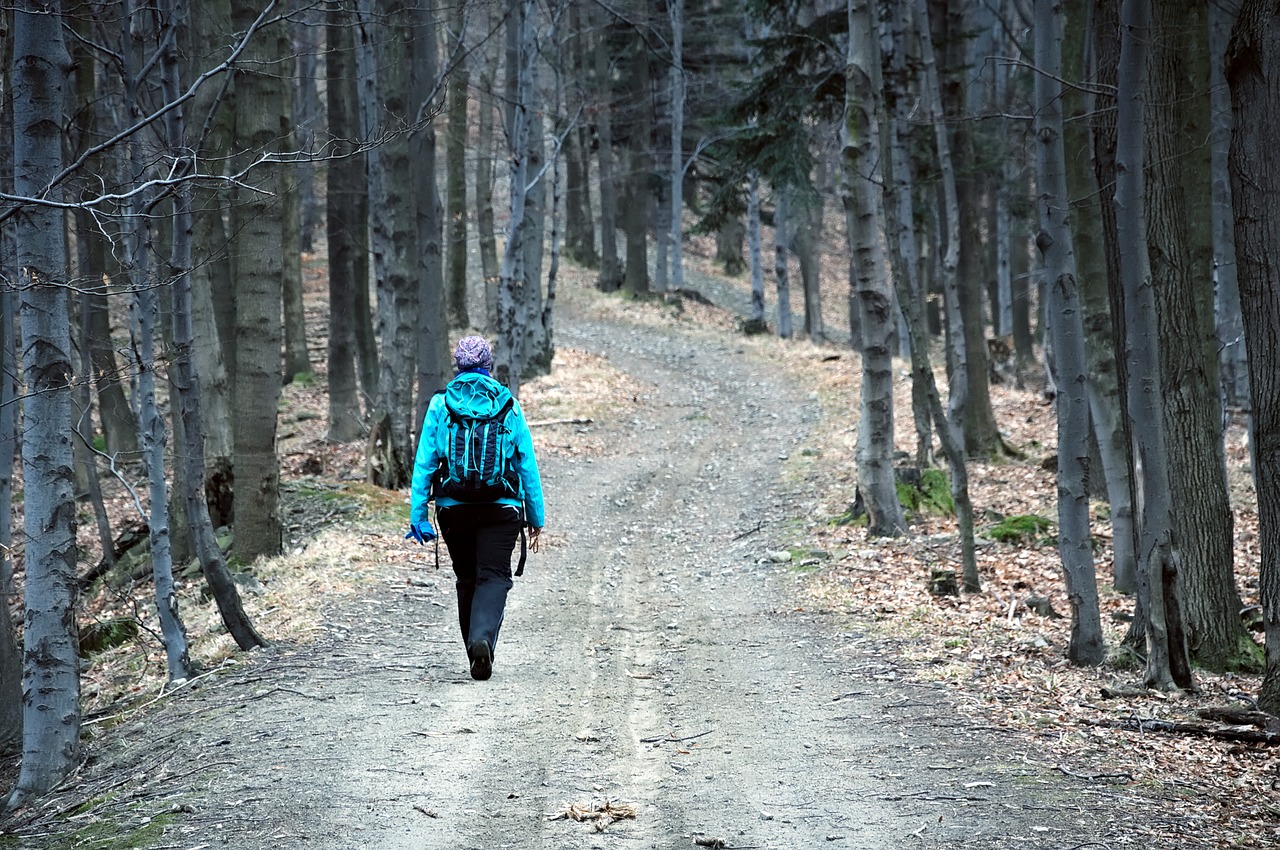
<point>475,395</point>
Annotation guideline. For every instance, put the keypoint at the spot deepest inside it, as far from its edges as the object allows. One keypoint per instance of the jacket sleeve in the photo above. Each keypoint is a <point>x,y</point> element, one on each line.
<point>427,460</point>
<point>530,480</point>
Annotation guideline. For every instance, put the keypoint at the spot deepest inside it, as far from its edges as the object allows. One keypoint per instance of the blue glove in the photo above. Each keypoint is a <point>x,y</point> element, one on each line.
<point>421,532</point>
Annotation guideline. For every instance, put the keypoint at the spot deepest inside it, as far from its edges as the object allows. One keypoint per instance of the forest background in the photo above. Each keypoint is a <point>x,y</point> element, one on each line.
<point>1072,197</point>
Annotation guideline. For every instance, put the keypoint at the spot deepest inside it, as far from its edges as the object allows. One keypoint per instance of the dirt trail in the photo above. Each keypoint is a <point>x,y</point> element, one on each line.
<point>651,657</point>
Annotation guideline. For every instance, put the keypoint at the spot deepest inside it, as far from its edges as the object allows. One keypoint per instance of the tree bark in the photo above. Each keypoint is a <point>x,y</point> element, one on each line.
<point>259,114</point>
<point>1180,246</point>
<point>675,9</point>
<point>611,270</point>
<point>434,363</point>
<point>11,708</point>
<point>383,67</point>
<point>485,228</point>
<point>1054,240</point>
<point>1232,358</point>
<point>184,378</point>
<point>1106,406</point>
<point>781,252</point>
<point>51,678</point>
<point>1167,664</point>
<point>456,176</point>
<point>212,292</point>
<point>957,353</point>
<point>1253,73</point>
<point>756,322</point>
<point>863,179</point>
<point>346,181</point>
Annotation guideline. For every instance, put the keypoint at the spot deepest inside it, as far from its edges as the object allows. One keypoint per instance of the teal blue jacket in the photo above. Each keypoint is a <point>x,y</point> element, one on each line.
<point>477,395</point>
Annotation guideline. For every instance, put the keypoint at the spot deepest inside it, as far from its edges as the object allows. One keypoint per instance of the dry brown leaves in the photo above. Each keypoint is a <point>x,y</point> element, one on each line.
<point>600,813</point>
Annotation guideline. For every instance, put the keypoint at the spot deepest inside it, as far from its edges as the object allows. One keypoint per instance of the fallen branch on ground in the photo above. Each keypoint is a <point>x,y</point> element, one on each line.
<point>1138,724</point>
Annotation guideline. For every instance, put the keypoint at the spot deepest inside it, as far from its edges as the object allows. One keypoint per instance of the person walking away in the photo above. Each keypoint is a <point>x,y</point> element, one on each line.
<point>475,459</point>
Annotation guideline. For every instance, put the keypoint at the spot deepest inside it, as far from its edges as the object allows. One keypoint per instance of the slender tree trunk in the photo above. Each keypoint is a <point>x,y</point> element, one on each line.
<point>143,278</point>
<point>346,181</point>
<point>1054,241</point>
<point>863,178</point>
<point>51,678</point>
<point>456,177</point>
<point>508,357</point>
<point>1232,358</point>
<point>535,347</point>
<point>296,360</point>
<point>1168,665</point>
<point>259,111</point>
<point>485,228</point>
<point>675,8</point>
<point>384,67</point>
<point>579,225</point>
<point>1105,404</point>
<point>212,292</point>
<point>957,353</point>
<point>1253,73</point>
<point>900,198</point>
<point>756,323</point>
<point>307,34</point>
<point>781,251</point>
<point>184,379</point>
<point>611,270</point>
<point>432,332</point>
<point>151,430</point>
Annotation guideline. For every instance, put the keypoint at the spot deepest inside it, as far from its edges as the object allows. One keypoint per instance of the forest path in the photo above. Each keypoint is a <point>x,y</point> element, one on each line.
<point>651,658</point>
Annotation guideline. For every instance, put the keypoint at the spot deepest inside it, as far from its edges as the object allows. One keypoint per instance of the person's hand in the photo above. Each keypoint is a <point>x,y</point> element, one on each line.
<point>421,532</point>
<point>535,535</point>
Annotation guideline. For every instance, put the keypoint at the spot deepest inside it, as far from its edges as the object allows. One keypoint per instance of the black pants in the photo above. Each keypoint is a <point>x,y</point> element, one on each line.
<point>480,540</point>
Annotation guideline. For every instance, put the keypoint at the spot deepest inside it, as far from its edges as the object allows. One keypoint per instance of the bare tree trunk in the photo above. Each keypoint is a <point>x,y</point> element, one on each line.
<point>1232,358</point>
<point>185,382</point>
<point>957,353</point>
<point>756,322</point>
<point>611,272</point>
<point>900,197</point>
<point>1253,73</point>
<point>675,9</point>
<point>1168,666</point>
<point>10,652</point>
<point>781,244</point>
<point>508,357</point>
<point>579,224</point>
<point>485,228</point>
<point>383,68</point>
<point>259,107</point>
<point>212,292</point>
<point>456,176</point>
<point>1105,404</point>
<point>346,181</point>
<point>1054,240</point>
<point>1179,241</point>
<point>51,679</point>
<point>863,179</point>
<point>432,331</point>
<point>296,360</point>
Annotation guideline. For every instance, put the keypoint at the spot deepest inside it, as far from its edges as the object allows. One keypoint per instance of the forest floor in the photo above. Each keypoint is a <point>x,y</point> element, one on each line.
<point>699,656</point>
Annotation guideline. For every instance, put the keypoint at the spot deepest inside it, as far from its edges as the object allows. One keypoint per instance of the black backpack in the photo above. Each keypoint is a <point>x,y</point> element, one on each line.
<point>477,466</point>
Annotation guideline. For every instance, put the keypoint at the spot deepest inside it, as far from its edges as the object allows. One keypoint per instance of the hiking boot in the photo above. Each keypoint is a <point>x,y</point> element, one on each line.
<point>481,659</point>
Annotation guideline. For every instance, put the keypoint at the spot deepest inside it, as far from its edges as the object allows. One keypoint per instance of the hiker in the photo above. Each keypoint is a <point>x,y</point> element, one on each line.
<point>475,459</point>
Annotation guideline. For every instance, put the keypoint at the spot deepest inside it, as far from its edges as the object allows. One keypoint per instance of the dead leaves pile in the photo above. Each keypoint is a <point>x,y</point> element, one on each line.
<point>599,813</point>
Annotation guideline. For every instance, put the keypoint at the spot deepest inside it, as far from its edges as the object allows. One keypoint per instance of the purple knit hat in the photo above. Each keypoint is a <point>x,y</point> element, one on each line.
<point>473,353</point>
